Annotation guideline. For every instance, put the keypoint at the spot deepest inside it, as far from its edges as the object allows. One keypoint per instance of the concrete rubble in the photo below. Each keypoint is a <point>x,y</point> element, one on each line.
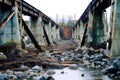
<point>113,69</point>
<point>34,65</point>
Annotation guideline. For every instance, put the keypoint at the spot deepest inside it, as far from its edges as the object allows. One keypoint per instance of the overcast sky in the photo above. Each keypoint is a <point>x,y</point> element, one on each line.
<point>62,8</point>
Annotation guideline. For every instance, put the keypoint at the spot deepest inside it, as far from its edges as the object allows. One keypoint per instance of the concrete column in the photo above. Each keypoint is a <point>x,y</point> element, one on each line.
<point>106,26</point>
<point>54,33</point>
<point>78,33</point>
<point>46,25</point>
<point>37,30</point>
<point>98,30</point>
<point>50,32</point>
<point>47,29</point>
<point>40,32</point>
<point>57,33</point>
<point>89,28</point>
<point>115,25</point>
<point>33,27</point>
<point>73,33</point>
<point>10,31</point>
<point>81,31</point>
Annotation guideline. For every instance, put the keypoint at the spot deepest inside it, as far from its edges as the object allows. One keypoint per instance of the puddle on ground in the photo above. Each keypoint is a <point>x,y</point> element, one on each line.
<point>79,74</point>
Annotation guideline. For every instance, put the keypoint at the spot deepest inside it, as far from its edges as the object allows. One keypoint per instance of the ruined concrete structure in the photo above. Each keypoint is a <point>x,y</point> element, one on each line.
<point>41,28</point>
<point>93,30</point>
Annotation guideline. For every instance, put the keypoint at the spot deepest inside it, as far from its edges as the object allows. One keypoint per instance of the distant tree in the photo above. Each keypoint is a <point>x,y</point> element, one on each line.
<point>68,23</point>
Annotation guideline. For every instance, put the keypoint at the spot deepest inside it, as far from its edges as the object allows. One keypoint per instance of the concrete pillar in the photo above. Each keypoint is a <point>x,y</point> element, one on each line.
<point>78,33</point>
<point>89,28</point>
<point>73,33</point>
<point>40,32</point>
<point>50,32</point>
<point>57,34</point>
<point>47,29</point>
<point>106,26</point>
<point>37,30</point>
<point>10,31</point>
<point>115,25</point>
<point>98,30</point>
<point>74,36</point>
<point>81,31</point>
<point>54,33</point>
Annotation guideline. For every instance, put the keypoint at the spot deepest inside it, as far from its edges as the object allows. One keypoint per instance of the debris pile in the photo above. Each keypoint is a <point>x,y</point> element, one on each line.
<point>113,69</point>
<point>2,56</point>
<point>34,73</point>
<point>91,58</point>
<point>32,64</point>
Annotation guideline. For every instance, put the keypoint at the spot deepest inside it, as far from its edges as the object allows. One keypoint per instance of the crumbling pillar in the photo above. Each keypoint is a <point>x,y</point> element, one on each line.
<point>50,32</point>
<point>9,32</point>
<point>81,31</point>
<point>37,30</point>
<point>54,33</point>
<point>89,28</point>
<point>98,30</point>
<point>115,27</point>
<point>78,33</point>
<point>57,34</point>
<point>73,33</point>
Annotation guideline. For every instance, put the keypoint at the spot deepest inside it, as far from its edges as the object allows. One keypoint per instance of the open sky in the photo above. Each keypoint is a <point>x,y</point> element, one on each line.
<point>63,8</point>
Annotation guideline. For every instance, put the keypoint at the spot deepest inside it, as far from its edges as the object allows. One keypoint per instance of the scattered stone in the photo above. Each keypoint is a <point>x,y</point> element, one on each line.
<point>50,78</point>
<point>2,56</point>
<point>62,72</point>
<point>113,70</point>
<point>4,76</point>
<point>82,75</point>
<point>51,72</point>
<point>74,67</point>
<point>42,78</point>
<point>37,68</point>
<point>20,75</point>
<point>97,79</point>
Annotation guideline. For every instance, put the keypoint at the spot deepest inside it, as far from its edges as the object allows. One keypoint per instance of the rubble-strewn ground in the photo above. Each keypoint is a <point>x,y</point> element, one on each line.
<point>13,57</point>
<point>13,60</point>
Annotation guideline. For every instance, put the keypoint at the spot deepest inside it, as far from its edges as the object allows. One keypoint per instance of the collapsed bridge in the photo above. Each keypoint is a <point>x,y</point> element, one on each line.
<point>93,29</point>
<point>41,29</point>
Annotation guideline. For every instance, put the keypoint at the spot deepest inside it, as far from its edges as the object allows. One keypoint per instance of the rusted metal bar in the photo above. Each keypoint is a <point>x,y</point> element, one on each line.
<point>31,36</point>
<point>45,33</point>
<point>4,21</point>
